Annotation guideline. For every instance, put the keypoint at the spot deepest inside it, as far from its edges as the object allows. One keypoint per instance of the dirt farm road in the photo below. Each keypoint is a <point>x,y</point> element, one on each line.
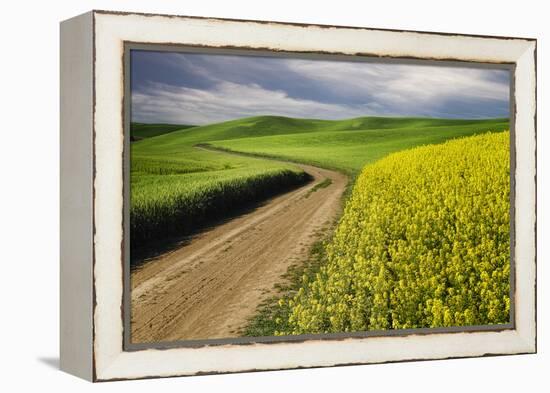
<point>209,287</point>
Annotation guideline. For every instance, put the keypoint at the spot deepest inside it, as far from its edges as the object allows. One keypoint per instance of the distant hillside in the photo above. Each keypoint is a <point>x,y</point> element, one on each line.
<point>345,145</point>
<point>259,126</point>
<point>144,130</point>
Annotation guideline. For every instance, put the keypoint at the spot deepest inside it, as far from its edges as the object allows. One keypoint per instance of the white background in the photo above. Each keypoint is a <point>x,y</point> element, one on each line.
<point>29,196</point>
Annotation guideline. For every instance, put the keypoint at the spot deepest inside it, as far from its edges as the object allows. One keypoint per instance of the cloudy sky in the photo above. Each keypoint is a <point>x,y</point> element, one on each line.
<point>185,88</point>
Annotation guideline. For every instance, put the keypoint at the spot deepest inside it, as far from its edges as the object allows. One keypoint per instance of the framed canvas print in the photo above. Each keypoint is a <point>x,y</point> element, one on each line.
<point>247,195</point>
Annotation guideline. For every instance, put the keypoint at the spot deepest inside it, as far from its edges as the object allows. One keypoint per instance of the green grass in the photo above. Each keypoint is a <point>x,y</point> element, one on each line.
<point>144,130</point>
<point>330,144</point>
<point>177,187</point>
<point>324,184</point>
<point>273,313</point>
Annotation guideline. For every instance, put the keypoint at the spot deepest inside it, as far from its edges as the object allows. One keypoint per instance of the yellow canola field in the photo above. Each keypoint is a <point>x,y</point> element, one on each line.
<point>424,241</point>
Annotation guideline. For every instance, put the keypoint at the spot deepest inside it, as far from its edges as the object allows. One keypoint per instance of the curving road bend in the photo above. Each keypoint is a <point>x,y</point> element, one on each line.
<point>209,287</point>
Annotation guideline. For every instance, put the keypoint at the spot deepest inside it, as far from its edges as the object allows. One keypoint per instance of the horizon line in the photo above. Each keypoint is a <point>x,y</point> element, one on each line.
<point>329,120</point>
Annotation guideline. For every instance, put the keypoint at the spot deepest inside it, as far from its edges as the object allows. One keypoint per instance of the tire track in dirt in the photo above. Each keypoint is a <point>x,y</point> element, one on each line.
<point>209,287</point>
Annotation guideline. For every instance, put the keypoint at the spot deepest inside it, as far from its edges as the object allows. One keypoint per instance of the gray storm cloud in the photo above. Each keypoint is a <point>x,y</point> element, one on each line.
<point>202,89</point>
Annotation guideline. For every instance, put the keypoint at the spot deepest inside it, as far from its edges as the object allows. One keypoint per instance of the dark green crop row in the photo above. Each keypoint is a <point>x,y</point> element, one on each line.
<point>169,205</point>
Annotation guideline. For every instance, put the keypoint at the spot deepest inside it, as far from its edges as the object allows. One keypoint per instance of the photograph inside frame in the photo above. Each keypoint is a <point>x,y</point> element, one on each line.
<point>286,195</point>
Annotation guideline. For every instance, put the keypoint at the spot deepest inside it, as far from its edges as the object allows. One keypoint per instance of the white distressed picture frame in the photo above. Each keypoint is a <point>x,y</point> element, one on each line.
<point>92,190</point>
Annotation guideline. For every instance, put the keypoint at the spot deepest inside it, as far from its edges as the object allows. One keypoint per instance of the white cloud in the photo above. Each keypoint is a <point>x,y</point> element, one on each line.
<point>227,101</point>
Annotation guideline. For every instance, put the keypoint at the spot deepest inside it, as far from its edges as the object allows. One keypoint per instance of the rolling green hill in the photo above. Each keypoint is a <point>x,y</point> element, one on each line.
<point>176,186</point>
<point>144,130</point>
<point>345,145</point>
<point>278,125</point>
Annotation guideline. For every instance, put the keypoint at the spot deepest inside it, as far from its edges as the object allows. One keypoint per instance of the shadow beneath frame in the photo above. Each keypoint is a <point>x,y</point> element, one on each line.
<point>50,361</point>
